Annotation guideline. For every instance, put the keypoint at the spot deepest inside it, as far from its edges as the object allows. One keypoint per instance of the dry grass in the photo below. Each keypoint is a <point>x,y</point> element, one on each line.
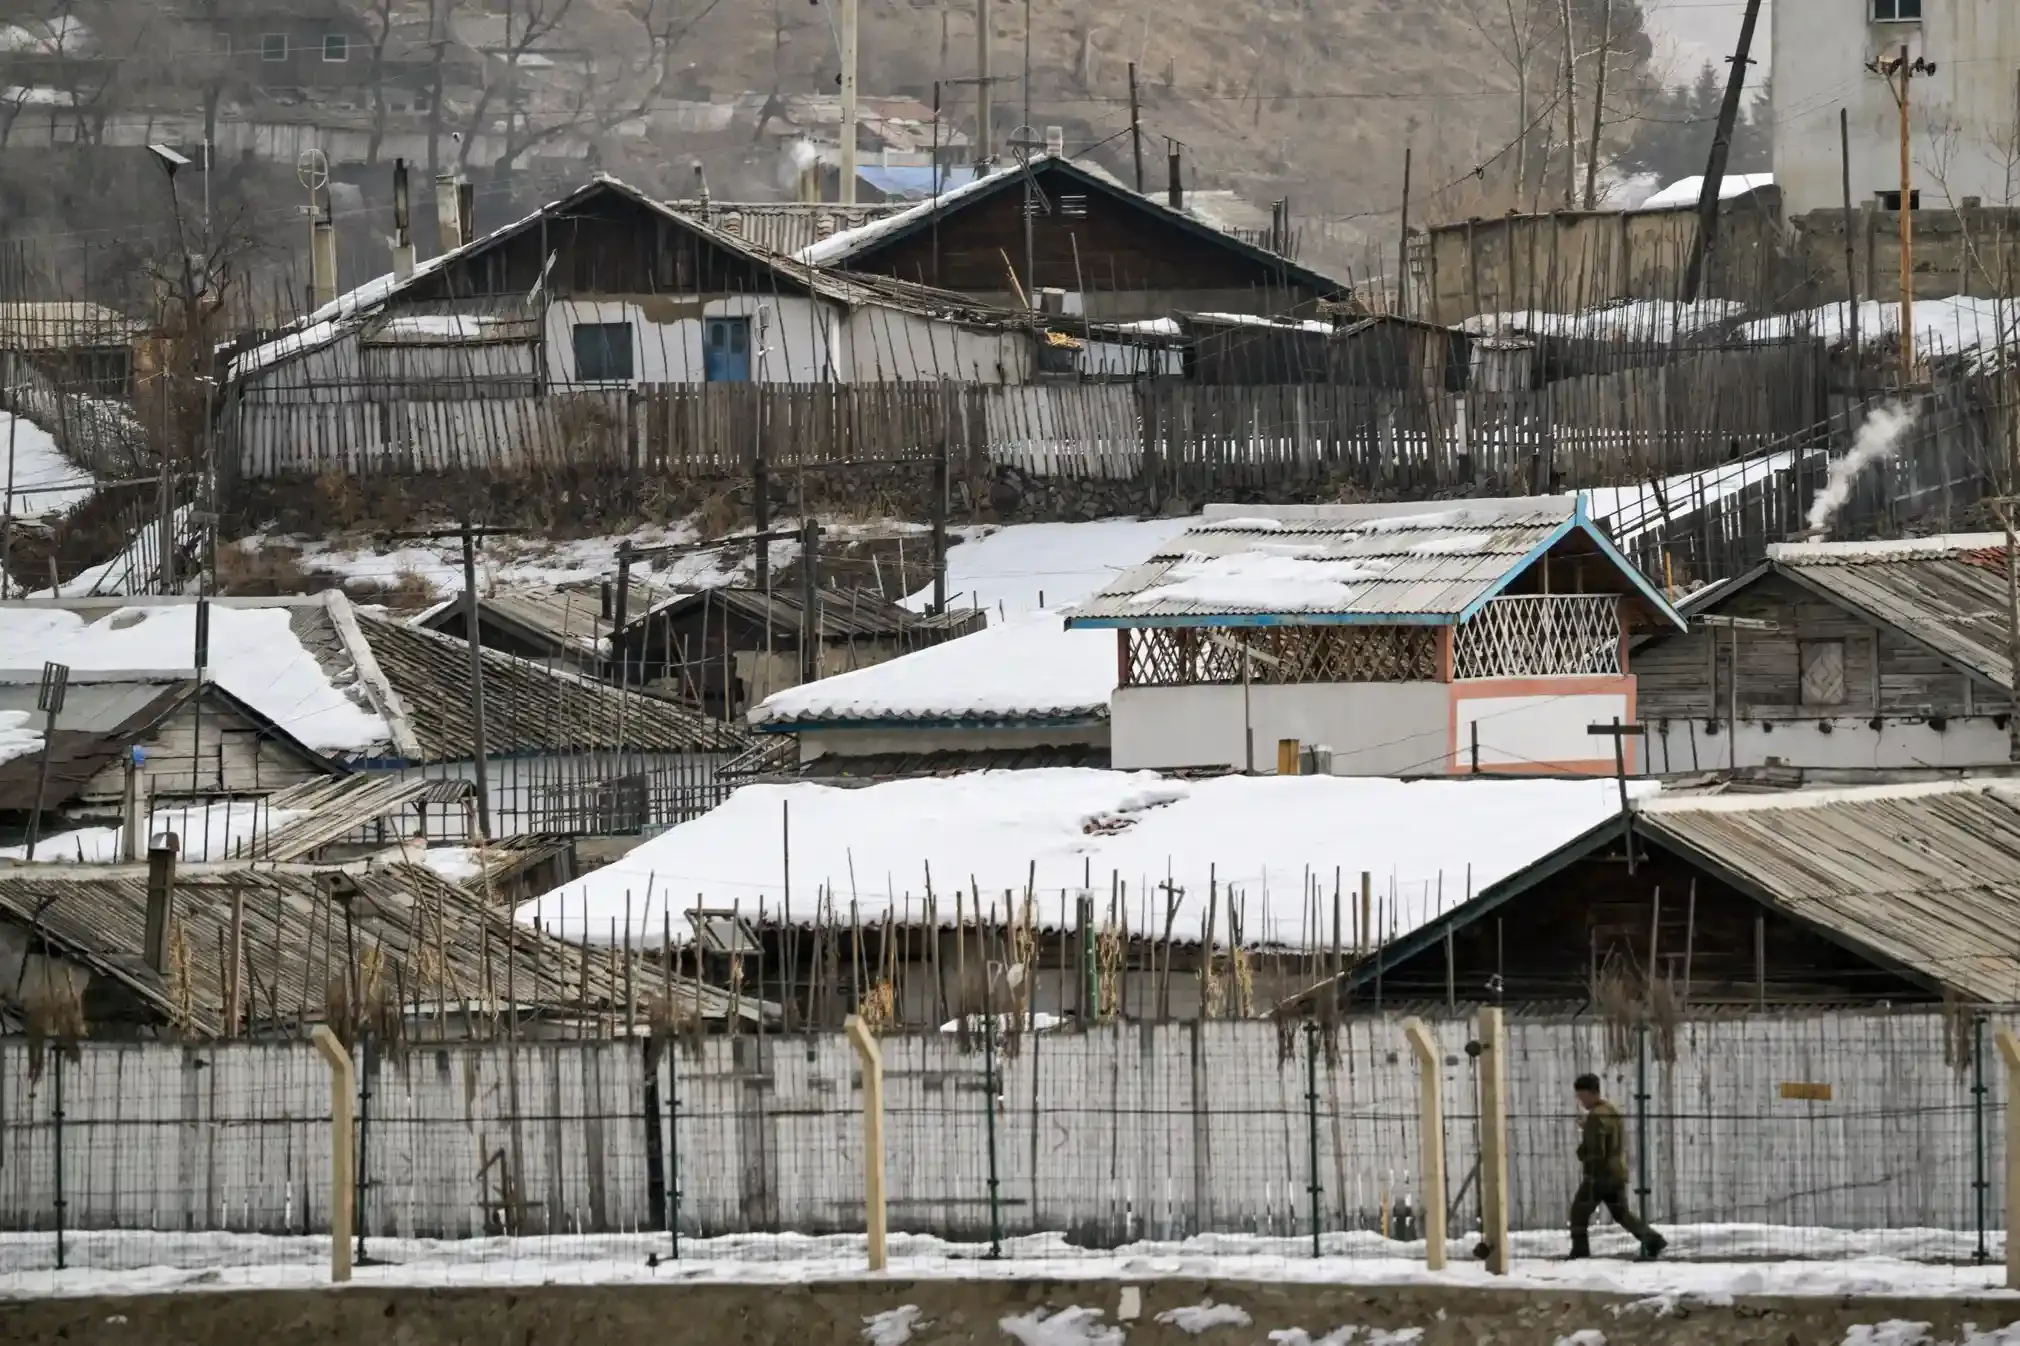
<point>409,592</point>
<point>249,571</point>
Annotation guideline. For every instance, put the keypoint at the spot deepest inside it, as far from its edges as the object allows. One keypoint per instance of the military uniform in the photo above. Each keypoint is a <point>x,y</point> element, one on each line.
<point>1602,1154</point>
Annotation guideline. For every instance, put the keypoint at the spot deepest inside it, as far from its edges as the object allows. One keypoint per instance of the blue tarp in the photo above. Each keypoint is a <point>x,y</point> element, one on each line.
<point>913,182</point>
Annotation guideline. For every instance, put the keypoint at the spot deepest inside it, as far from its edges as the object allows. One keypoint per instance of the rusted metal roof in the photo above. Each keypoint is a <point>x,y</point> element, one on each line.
<point>1925,877</point>
<point>1947,593</point>
<point>1411,563</point>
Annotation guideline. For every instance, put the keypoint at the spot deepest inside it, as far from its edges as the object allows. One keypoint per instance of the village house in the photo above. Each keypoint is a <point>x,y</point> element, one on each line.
<point>726,648</point>
<point>1839,655</point>
<point>549,338</point>
<point>1021,694</point>
<point>173,734</point>
<point>1398,639</point>
<point>564,753</point>
<point>1736,900</point>
<point>1109,253</point>
<point>567,624</point>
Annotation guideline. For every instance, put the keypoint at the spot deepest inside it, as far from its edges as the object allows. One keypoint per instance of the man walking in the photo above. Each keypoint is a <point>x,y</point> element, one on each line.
<point>1602,1154</point>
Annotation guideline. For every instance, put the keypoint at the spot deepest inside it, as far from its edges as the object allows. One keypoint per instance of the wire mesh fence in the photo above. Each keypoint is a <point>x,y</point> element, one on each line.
<point>1865,1139</point>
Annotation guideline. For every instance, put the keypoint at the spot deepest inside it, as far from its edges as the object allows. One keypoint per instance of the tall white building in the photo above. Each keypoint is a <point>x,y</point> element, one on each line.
<point>1962,118</point>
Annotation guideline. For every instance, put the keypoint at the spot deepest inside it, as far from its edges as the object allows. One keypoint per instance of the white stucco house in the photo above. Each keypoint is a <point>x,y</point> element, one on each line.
<point>1963,116</point>
<point>1406,639</point>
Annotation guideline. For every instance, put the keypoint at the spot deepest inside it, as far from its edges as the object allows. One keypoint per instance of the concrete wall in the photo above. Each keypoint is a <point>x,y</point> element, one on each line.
<point>1527,724</point>
<point>1119,1134</point>
<point>1849,741</point>
<point>1962,130</point>
<point>1374,728</point>
<point>1957,251</point>
<point>860,742</point>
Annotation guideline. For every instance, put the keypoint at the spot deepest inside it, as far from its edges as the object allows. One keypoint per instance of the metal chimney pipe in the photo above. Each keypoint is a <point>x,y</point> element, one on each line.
<point>160,899</point>
<point>323,261</point>
<point>1175,188</point>
<point>448,212</point>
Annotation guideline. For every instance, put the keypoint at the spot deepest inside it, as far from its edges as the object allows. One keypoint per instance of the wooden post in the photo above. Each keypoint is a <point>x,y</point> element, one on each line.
<point>2009,1052</point>
<point>343,1087</point>
<point>1494,1141</point>
<point>1431,1119</point>
<point>873,1134</point>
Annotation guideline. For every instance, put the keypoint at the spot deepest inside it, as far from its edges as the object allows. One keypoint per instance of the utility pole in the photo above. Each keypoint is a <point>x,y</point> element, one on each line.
<point>1570,110</point>
<point>810,594</point>
<point>1135,129</point>
<point>1721,150</point>
<point>469,533</point>
<point>985,138</point>
<point>848,197</point>
<point>1899,72</point>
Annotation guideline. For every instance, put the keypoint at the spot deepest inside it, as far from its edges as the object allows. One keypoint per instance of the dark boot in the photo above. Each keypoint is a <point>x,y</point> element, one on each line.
<point>1652,1246</point>
<point>1580,1248</point>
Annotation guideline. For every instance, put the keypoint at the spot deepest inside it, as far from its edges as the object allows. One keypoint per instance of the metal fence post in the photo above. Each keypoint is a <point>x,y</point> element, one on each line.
<point>1641,1121</point>
<point>57,1100</point>
<point>1312,1188</point>
<point>991,1090</point>
<point>872,1061</point>
<point>1980,1185</point>
<point>655,1154</point>
<point>1493,1069</point>
<point>343,1085</point>
<point>368,1060</point>
<point>673,1145</point>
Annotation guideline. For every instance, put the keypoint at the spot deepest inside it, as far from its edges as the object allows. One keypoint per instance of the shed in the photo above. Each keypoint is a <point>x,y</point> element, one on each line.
<point>1024,693</point>
<point>568,624</point>
<point>1840,655</point>
<point>1879,894</point>
<point>725,649</point>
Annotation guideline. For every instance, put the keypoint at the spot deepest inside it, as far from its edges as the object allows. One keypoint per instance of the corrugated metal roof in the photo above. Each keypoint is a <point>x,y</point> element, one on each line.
<point>569,616</point>
<point>1926,877</point>
<point>844,614</point>
<point>1949,593</point>
<point>1376,563</point>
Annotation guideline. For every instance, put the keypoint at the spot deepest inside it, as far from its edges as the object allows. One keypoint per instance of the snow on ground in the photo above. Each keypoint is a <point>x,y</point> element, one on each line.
<point>213,832</point>
<point>131,568</point>
<point>132,1262</point>
<point>1641,320</point>
<point>18,737</point>
<point>1023,567</point>
<point>41,479</point>
<point>506,563</point>
<point>1942,326</point>
<point>254,654</point>
<point>1031,666</point>
<point>1629,511</point>
<point>1253,839</point>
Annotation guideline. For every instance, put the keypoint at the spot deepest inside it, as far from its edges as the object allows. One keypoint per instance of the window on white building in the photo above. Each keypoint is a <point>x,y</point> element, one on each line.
<point>603,352</point>
<point>336,48</point>
<point>274,47</point>
<point>1892,200</point>
<point>1897,11</point>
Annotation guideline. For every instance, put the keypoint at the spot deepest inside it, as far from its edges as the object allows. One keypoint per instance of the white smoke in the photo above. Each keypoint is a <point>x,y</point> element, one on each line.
<point>1875,443</point>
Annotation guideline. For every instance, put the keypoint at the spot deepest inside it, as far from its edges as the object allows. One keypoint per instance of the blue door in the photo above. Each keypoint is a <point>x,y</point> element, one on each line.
<point>726,350</point>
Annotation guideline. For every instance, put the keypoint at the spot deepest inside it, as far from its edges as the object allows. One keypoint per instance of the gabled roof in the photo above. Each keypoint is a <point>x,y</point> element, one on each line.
<point>839,250</point>
<point>566,617</point>
<point>335,319</point>
<point>1428,564</point>
<point>1921,878</point>
<point>1946,594</point>
<point>844,614</point>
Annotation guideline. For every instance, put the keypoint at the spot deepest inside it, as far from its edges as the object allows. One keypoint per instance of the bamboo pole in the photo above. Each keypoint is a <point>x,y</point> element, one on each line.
<point>343,1141</point>
<point>873,1135</point>
<point>1431,1121</point>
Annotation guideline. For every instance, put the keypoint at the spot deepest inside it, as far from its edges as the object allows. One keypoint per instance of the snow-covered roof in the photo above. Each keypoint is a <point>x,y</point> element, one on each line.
<point>1016,569</point>
<point>18,735</point>
<point>1032,668</point>
<point>1686,191</point>
<point>838,247</point>
<point>1427,843</point>
<point>1949,326</point>
<point>1387,563</point>
<point>1884,550</point>
<point>256,654</point>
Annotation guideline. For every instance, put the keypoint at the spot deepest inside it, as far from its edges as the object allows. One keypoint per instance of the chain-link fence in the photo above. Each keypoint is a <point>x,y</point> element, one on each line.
<point>1847,1137</point>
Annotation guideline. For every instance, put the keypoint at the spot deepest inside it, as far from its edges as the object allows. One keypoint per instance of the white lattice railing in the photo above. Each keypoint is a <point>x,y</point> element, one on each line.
<point>1540,636</point>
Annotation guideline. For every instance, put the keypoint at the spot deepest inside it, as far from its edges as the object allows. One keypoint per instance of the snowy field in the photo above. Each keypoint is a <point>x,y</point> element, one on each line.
<point>1735,1261</point>
<point>1021,568</point>
<point>39,479</point>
